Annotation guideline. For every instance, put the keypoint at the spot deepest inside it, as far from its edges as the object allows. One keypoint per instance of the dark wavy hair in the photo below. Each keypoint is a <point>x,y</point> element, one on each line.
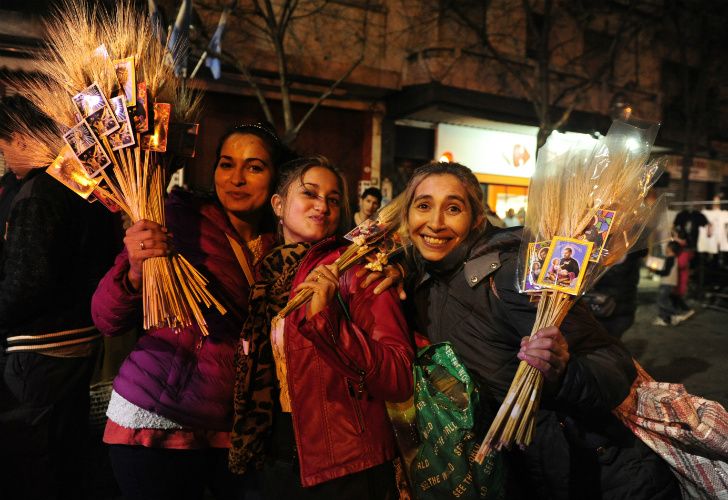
<point>279,153</point>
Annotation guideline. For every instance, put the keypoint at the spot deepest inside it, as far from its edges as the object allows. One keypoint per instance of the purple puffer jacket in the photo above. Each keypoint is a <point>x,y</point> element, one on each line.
<point>166,372</point>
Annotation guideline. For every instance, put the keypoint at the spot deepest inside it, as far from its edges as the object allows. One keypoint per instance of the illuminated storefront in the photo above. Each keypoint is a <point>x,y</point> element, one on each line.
<point>502,156</point>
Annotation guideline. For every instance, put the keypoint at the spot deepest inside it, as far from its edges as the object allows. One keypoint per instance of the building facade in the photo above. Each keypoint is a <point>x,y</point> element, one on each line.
<point>480,82</point>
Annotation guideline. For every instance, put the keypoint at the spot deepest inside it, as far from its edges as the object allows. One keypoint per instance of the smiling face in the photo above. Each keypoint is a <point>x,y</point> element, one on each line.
<point>311,208</point>
<point>243,174</point>
<point>439,216</point>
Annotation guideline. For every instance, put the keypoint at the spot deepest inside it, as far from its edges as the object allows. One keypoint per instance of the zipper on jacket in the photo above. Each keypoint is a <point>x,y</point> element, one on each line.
<point>354,392</point>
<point>351,364</point>
<point>359,416</point>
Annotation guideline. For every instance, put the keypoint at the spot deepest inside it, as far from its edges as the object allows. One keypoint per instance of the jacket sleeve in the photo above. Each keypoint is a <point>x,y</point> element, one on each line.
<point>600,369</point>
<point>114,307</point>
<point>372,349</point>
<point>669,262</point>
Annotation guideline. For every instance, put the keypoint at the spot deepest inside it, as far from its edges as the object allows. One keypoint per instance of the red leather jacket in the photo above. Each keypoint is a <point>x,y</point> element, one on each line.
<point>341,372</point>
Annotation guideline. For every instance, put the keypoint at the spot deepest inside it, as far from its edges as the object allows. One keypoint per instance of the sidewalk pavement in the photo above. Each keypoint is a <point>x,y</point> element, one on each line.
<point>693,353</point>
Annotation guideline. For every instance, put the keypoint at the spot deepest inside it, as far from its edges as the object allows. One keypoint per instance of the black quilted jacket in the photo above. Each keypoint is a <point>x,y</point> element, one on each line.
<point>580,451</point>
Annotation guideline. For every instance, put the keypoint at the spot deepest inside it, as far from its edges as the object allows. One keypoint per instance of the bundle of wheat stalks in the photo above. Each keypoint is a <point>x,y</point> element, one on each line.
<point>566,191</point>
<point>84,46</point>
<point>386,224</point>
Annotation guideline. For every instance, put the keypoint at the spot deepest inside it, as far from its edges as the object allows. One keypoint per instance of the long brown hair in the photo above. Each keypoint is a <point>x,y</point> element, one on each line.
<point>461,173</point>
<point>296,170</point>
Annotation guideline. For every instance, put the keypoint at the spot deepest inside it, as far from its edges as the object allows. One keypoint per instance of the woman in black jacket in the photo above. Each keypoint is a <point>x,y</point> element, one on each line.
<point>463,290</point>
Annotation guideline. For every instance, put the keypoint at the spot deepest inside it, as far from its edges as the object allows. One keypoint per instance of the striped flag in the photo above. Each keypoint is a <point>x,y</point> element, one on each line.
<point>178,43</point>
<point>215,46</point>
<point>155,18</point>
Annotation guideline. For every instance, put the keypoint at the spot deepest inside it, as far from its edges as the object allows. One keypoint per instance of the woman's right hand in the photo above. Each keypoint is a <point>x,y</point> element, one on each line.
<point>144,240</point>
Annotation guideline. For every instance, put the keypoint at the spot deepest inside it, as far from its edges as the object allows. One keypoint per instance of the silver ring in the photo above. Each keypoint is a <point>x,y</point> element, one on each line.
<point>141,245</point>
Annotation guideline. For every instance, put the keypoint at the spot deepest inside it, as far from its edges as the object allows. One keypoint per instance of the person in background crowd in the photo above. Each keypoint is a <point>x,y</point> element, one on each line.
<point>369,202</point>
<point>666,311</point>
<point>171,409</point>
<point>521,216</point>
<point>616,309</point>
<point>57,246</point>
<point>462,290</point>
<point>511,220</point>
<point>683,278</point>
<point>311,388</point>
<point>493,218</point>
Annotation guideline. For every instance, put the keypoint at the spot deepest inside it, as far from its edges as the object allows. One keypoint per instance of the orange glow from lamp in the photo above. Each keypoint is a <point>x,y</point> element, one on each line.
<point>446,157</point>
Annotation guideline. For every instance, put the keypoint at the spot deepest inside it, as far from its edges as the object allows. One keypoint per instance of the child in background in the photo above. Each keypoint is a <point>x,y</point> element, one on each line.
<point>683,277</point>
<point>666,311</point>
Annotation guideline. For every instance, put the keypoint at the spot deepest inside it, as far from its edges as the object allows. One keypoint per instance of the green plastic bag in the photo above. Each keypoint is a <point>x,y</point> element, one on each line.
<point>445,400</point>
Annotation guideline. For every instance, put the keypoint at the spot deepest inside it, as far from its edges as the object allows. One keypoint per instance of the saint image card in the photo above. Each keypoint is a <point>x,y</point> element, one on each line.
<point>157,141</point>
<point>598,231</point>
<point>93,106</point>
<point>565,265</point>
<point>536,258</point>
<point>124,137</point>
<point>68,170</point>
<point>367,231</point>
<point>103,122</point>
<point>126,75</point>
<point>94,159</point>
<point>105,199</point>
<point>80,138</point>
<point>138,113</point>
<point>90,100</point>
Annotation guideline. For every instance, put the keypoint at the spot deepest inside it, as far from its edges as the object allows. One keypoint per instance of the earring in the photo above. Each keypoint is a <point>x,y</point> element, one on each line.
<point>280,221</point>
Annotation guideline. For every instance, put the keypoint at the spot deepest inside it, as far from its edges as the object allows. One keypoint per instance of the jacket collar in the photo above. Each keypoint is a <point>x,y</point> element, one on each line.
<point>482,257</point>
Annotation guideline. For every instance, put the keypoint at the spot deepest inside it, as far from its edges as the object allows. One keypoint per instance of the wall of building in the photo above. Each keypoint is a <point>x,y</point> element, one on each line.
<point>341,135</point>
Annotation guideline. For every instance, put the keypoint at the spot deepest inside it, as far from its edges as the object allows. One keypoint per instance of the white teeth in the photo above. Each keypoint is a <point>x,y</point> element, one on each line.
<point>433,241</point>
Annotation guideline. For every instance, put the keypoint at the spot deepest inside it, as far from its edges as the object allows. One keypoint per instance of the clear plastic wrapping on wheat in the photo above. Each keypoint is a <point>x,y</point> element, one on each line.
<point>566,190</point>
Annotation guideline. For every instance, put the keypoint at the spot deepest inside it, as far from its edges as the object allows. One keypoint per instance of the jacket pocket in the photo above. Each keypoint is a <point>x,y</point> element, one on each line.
<point>356,407</point>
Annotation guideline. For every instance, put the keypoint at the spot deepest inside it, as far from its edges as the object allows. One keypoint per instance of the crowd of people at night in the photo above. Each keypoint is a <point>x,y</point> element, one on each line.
<point>293,408</point>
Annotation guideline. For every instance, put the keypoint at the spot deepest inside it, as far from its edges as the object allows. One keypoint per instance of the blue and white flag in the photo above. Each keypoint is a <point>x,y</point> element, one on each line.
<point>155,19</point>
<point>214,49</point>
<point>178,44</point>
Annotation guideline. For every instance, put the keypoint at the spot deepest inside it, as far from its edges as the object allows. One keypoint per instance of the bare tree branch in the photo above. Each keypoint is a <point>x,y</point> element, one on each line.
<point>293,133</point>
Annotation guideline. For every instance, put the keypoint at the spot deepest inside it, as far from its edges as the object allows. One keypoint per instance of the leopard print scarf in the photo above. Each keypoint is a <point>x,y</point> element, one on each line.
<point>255,380</point>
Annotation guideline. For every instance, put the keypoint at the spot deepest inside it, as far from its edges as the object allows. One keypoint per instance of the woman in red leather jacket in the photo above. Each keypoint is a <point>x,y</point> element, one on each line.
<point>311,389</point>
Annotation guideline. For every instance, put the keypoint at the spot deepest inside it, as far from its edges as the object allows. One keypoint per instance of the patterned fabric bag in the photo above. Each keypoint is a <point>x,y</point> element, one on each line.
<point>445,400</point>
<point>690,433</point>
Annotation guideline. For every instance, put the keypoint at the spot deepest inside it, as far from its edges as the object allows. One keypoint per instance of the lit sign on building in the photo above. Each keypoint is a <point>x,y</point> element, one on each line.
<point>499,152</point>
<point>487,151</point>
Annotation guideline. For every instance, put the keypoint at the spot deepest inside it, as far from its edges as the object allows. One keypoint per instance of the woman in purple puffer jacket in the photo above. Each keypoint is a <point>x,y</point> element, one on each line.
<point>170,412</point>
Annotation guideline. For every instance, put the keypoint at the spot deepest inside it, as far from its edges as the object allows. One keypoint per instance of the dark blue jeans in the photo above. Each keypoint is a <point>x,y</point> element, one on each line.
<point>665,306</point>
